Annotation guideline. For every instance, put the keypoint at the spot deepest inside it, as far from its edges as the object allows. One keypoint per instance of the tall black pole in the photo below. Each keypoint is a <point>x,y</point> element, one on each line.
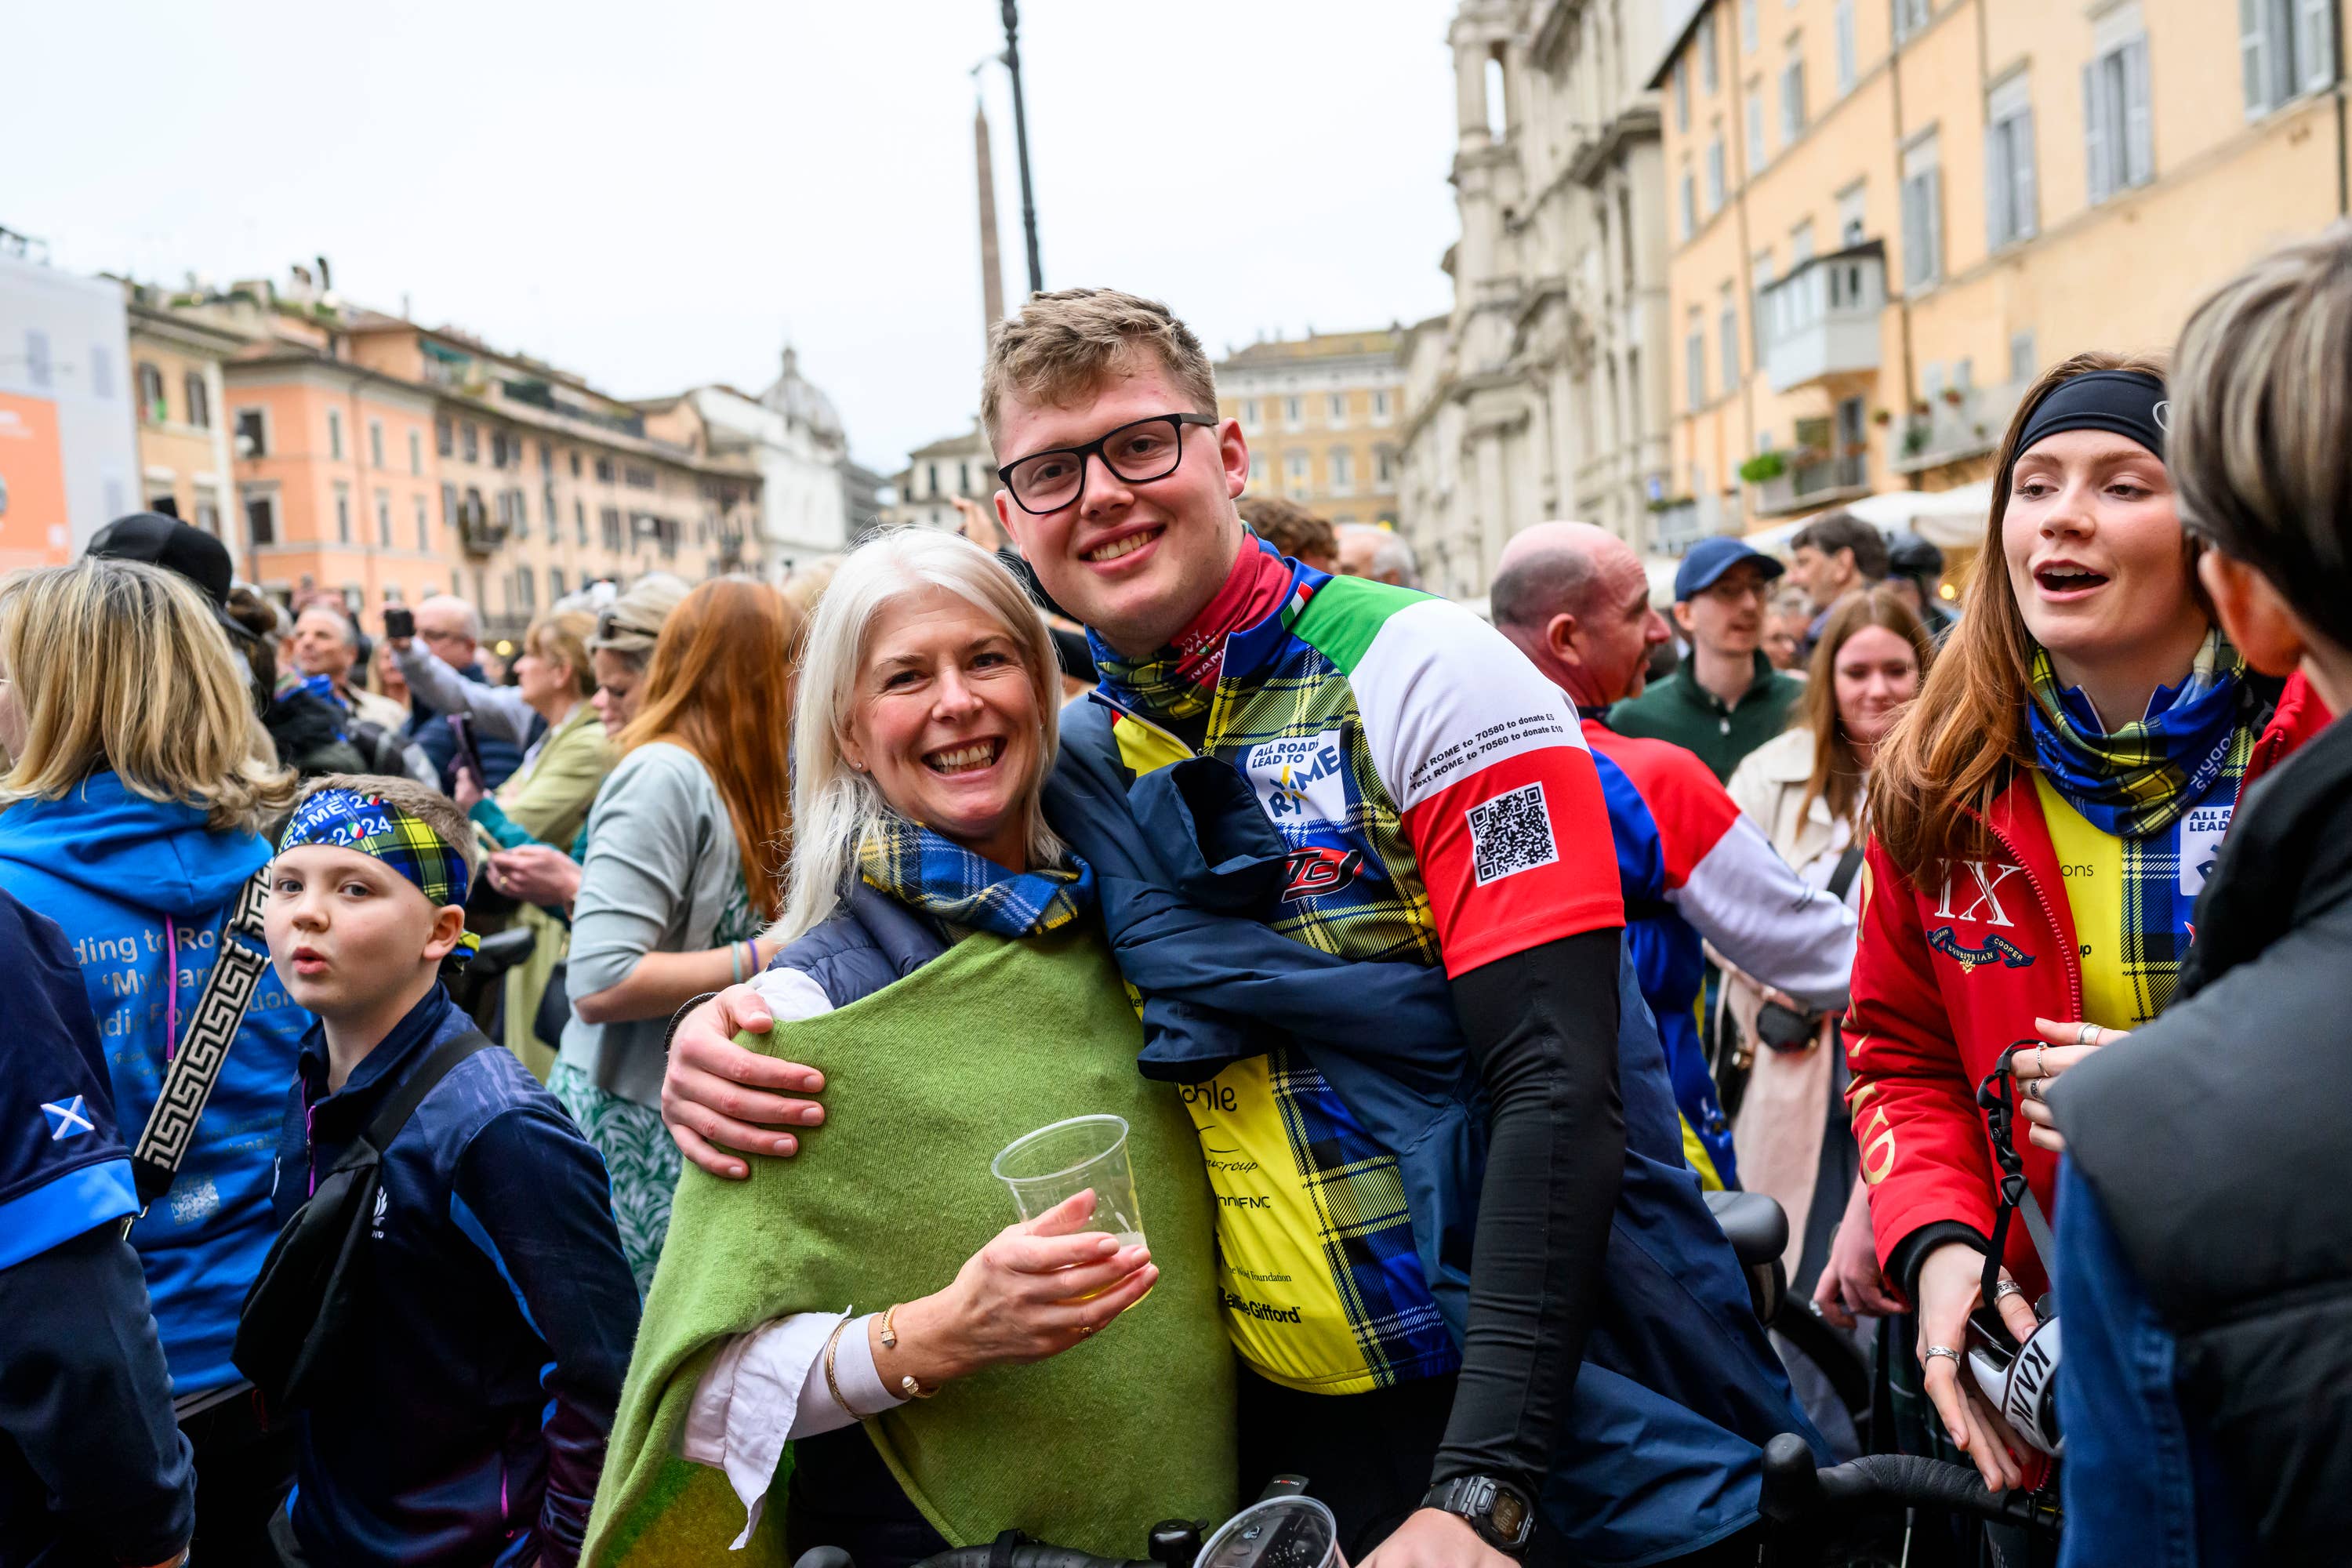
<point>1020,142</point>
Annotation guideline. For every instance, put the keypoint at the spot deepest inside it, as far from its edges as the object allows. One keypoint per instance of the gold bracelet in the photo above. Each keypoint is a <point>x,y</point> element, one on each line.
<point>832,1383</point>
<point>910,1384</point>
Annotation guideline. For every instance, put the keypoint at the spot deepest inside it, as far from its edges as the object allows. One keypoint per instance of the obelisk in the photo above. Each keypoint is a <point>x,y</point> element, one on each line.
<point>992,284</point>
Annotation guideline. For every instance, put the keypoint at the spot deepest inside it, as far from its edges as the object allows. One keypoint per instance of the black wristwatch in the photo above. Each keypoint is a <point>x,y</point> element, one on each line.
<point>1497,1511</point>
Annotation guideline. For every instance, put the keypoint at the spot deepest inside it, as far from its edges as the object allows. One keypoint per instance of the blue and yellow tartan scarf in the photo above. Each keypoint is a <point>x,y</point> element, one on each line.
<point>370,825</point>
<point>924,871</point>
<point>2138,783</point>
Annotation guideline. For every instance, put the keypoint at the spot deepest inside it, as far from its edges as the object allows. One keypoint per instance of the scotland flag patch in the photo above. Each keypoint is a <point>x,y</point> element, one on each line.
<point>65,1121</point>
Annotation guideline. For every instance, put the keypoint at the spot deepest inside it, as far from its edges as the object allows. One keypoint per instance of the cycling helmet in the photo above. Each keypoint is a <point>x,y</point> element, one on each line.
<point>2023,1385</point>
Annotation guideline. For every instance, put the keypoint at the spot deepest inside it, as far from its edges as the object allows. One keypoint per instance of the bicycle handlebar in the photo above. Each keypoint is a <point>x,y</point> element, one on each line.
<point>1797,1492</point>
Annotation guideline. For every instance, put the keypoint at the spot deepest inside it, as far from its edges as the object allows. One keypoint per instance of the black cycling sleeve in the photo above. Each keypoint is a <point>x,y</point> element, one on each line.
<point>1542,1027</point>
<point>85,1398</point>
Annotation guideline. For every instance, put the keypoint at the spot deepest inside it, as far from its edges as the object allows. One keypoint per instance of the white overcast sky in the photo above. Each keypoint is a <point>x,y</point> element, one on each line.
<point>659,195</point>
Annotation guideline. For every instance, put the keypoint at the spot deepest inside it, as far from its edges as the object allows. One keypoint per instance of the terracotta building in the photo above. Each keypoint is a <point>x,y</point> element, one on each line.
<point>179,401</point>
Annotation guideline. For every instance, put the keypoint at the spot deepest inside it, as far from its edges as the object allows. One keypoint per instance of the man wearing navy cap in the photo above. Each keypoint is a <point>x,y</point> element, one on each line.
<point>1726,699</point>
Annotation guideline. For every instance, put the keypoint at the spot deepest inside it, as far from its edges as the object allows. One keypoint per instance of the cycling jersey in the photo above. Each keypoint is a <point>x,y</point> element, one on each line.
<point>1439,808</point>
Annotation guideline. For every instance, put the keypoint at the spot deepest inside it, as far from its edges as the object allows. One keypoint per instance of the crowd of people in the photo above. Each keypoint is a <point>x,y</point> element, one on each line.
<point>549,1118</point>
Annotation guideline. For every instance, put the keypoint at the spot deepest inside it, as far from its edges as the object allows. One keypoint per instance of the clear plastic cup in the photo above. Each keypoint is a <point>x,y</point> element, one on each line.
<point>1057,1162</point>
<point>1279,1532</point>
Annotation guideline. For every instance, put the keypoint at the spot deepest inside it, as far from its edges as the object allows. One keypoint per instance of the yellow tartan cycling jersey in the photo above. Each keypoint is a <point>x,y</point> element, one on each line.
<point>1440,807</point>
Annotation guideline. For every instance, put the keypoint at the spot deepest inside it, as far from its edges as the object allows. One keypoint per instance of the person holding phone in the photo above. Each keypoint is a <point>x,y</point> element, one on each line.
<point>448,633</point>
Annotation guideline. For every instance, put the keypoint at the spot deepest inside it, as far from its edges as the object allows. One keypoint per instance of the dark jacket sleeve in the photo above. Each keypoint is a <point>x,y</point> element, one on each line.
<point>1542,1027</point>
<point>540,1194</point>
<point>85,1397</point>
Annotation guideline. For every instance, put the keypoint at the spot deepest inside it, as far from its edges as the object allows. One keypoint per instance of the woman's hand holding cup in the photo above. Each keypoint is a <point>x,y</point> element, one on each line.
<point>1036,1290</point>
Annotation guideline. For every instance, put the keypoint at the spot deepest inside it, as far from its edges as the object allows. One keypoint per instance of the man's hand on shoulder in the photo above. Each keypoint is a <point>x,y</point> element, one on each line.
<point>718,1096</point>
<point>1432,1538</point>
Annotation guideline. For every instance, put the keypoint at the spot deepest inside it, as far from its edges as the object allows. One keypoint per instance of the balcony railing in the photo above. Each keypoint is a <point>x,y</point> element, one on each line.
<point>1821,482</point>
<point>1953,430</point>
<point>1823,319</point>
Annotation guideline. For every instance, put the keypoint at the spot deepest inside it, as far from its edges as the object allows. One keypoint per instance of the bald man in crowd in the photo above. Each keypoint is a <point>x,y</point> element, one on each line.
<point>1575,600</point>
<point>1378,553</point>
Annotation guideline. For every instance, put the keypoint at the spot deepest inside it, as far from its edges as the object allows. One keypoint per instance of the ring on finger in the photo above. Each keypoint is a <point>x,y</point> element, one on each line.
<point>1947,1352</point>
<point>2088,1034</point>
<point>2006,1289</point>
<point>2033,1089</point>
<point>2041,1061</point>
<point>1084,1329</point>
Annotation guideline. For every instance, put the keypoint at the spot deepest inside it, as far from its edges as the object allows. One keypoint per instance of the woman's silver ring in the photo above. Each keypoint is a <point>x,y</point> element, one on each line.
<point>1947,1352</point>
<point>2087,1034</point>
<point>2041,1061</point>
<point>2006,1289</point>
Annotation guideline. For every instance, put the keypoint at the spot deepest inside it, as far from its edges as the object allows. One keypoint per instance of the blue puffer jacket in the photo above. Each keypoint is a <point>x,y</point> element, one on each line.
<point>1661,1451</point>
<point>137,884</point>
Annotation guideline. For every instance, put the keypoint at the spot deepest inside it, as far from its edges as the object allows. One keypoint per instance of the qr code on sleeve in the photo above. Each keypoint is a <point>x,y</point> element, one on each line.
<point>1511,833</point>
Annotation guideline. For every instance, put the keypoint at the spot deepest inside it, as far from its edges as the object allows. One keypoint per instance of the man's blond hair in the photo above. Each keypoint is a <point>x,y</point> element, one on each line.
<point>1061,346</point>
<point>430,806</point>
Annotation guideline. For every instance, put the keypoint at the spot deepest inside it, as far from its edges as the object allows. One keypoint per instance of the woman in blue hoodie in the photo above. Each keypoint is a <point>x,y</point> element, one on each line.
<point>129,815</point>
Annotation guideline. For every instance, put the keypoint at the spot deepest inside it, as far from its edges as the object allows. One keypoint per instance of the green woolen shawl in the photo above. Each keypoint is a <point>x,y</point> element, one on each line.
<point>925,1081</point>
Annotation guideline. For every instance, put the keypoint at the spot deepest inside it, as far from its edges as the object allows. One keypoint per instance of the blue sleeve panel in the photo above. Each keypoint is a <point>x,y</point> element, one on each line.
<point>86,1402</point>
<point>534,1196</point>
<point>64,1206</point>
<point>2142,1483</point>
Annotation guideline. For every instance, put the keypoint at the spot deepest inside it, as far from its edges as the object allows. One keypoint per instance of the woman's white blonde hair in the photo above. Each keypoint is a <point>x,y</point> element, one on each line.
<point>833,803</point>
<point>120,666</point>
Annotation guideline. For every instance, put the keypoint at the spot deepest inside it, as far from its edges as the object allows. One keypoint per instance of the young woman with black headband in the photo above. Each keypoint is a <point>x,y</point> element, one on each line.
<point>2043,818</point>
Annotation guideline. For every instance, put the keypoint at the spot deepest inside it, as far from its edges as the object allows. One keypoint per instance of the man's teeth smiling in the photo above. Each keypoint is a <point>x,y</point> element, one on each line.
<point>1127,544</point>
<point>964,758</point>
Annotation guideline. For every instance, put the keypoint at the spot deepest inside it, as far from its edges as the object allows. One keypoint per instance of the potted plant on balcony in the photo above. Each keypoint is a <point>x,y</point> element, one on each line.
<point>1882,417</point>
<point>1764,467</point>
<point>1952,395</point>
<point>1916,434</point>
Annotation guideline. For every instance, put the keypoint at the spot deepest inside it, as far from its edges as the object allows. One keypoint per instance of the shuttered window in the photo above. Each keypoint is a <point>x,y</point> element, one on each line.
<point>2011,214</point>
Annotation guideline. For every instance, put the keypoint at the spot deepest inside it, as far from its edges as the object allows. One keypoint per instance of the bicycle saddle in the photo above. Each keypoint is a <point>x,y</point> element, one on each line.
<point>1753,1223</point>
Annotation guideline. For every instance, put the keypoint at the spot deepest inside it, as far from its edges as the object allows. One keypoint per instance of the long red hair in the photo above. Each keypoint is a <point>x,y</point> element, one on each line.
<point>721,685</point>
<point>1958,745</point>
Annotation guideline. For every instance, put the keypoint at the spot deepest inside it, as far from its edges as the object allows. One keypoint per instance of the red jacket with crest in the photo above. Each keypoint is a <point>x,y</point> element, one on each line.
<point>1949,974</point>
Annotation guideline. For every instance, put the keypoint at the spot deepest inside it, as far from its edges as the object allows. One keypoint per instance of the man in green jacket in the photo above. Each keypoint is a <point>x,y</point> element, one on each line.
<point>1726,699</point>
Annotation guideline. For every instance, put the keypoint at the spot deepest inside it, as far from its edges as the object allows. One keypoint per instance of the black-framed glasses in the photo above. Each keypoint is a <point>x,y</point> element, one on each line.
<point>1137,453</point>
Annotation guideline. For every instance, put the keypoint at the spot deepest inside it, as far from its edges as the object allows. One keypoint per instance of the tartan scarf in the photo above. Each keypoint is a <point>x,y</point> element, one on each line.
<point>2141,783</point>
<point>925,871</point>
<point>1180,680</point>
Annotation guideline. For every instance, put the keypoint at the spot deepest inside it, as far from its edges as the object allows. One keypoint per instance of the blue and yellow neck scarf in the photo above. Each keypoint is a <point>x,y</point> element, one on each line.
<point>925,871</point>
<point>2137,785</point>
<point>370,825</point>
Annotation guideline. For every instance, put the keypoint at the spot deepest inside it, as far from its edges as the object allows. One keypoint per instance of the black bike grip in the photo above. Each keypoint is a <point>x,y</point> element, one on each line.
<point>1792,1482</point>
<point>1915,1481</point>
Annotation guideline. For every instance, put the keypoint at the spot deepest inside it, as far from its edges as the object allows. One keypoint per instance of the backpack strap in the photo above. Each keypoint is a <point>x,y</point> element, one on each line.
<point>402,1103</point>
<point>203,1052</point>
<point>1848,865</point>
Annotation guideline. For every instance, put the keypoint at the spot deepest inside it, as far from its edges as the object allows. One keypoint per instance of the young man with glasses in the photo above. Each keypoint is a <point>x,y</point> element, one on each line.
<point>1422,804</point>
<point>1726,699</point>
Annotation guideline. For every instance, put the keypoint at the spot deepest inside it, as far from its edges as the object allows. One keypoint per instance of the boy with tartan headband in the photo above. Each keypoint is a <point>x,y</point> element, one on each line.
<point>496,1310</point>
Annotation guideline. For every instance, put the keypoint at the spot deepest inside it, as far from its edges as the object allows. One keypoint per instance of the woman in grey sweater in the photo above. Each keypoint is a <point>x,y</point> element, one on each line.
<point>686,852</point>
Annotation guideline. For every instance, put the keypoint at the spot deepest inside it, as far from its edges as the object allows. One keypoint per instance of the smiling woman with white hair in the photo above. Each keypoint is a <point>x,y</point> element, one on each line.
<point>944,967</point>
